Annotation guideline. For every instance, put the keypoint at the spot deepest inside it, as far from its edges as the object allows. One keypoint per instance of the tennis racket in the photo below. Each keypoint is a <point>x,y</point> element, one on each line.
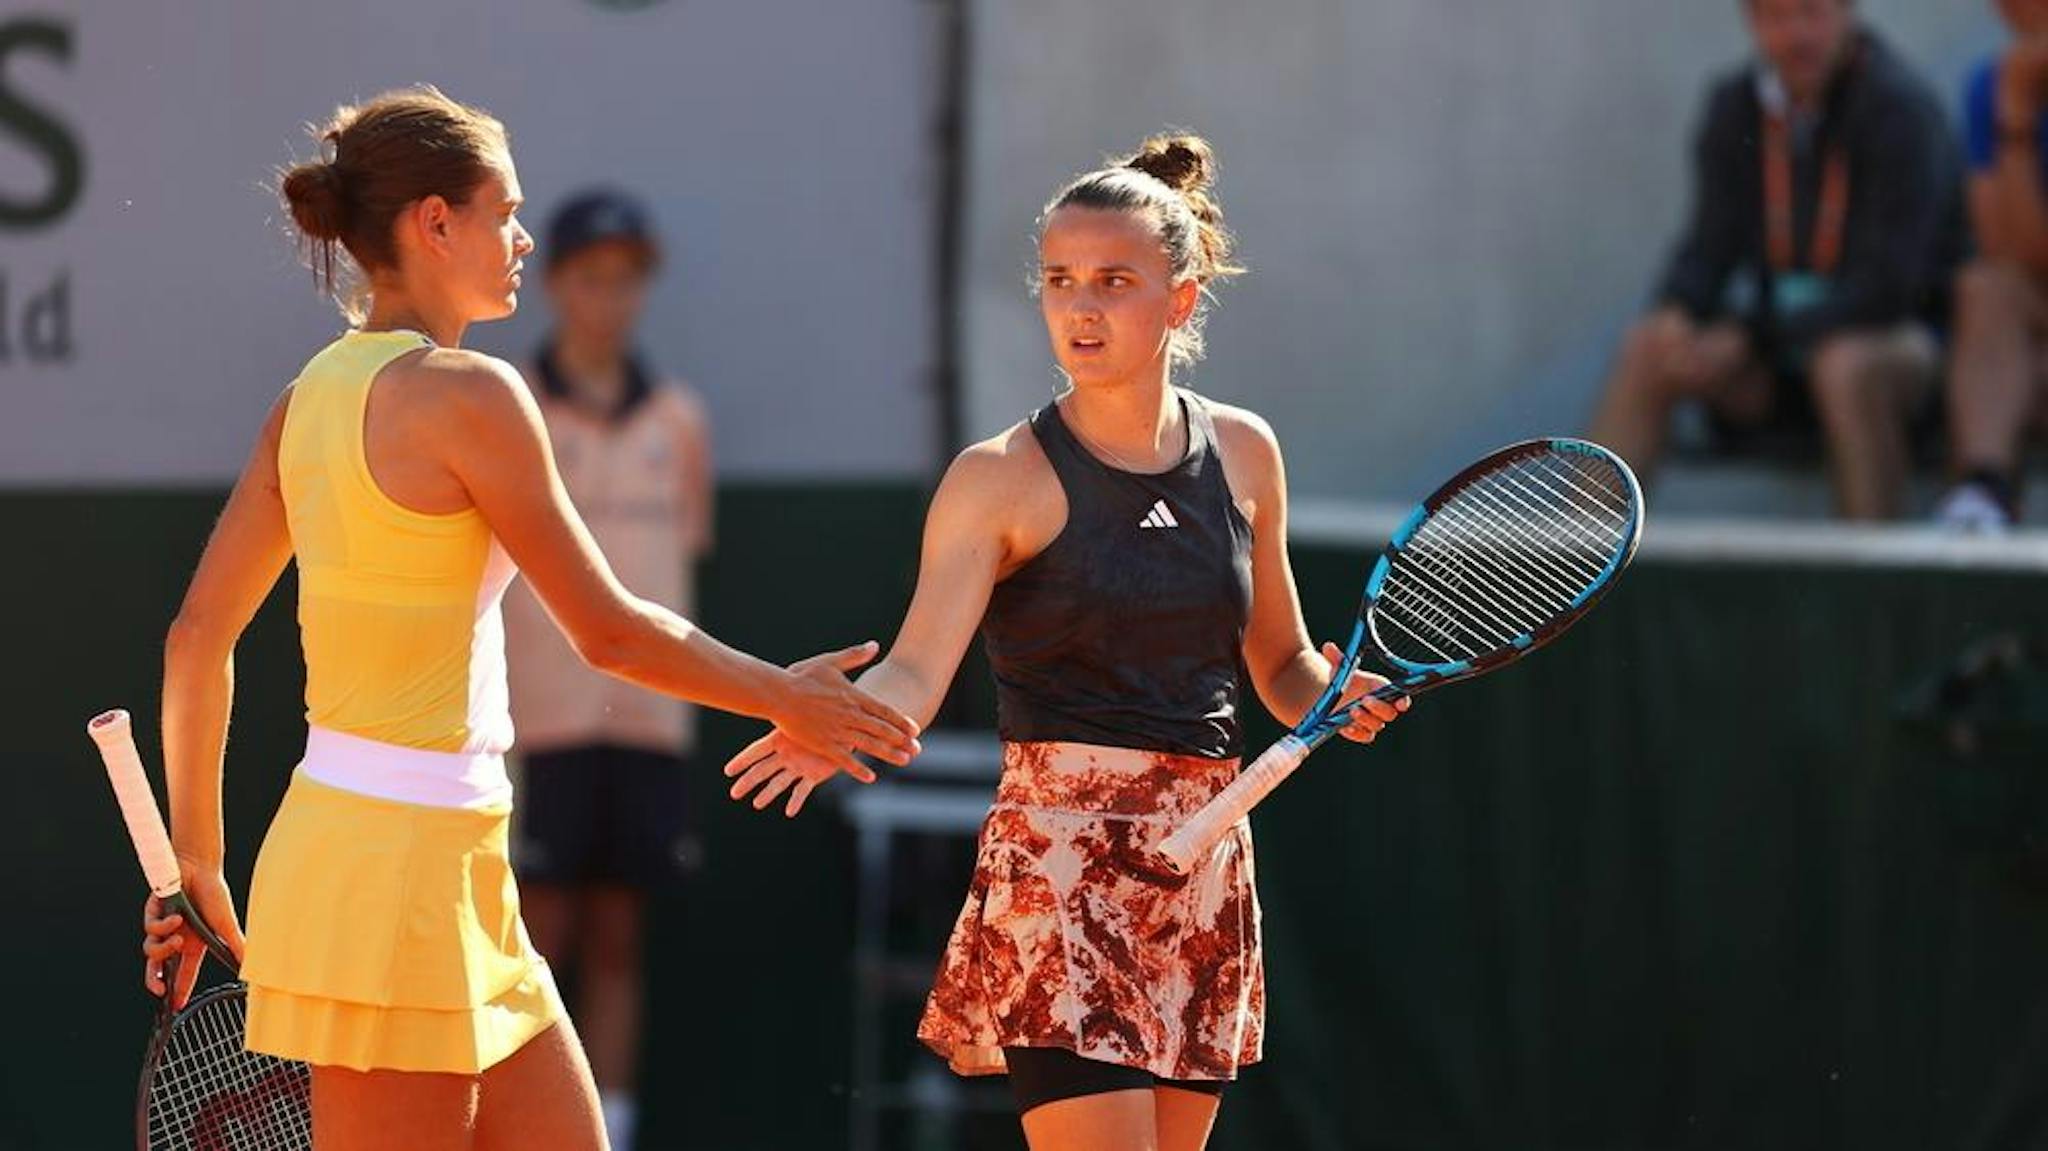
<point>1498,562</point>
<point>201,1090</point>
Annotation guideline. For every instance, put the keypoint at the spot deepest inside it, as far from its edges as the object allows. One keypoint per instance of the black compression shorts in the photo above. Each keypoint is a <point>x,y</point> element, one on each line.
<point>1041,1075</point>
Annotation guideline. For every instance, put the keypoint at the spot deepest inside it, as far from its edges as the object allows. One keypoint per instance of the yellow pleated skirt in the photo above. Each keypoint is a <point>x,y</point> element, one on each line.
<point>386,936</point>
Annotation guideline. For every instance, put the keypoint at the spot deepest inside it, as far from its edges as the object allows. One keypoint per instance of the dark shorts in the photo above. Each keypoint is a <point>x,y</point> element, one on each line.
<point>603,814</point>
<point>1042,1075</point>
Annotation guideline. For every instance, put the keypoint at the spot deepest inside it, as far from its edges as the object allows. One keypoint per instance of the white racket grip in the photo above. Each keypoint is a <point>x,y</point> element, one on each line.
<point>111,731</point>
<point>1200,833</point>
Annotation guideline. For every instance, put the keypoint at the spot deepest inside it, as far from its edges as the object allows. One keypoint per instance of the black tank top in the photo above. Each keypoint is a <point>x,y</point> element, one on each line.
<point>1128,629</point>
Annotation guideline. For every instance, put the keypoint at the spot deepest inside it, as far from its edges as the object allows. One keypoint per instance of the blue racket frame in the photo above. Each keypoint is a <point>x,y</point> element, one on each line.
<point>1326,719</point>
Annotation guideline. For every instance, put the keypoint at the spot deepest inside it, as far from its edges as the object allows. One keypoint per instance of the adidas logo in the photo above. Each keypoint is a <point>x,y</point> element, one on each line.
<point>1160,516</point>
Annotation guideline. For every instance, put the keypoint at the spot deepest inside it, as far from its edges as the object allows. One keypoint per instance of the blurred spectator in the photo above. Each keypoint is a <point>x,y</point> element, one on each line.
<point>1824,199</point>
<point>603,816</point>
<point>1996,387</point>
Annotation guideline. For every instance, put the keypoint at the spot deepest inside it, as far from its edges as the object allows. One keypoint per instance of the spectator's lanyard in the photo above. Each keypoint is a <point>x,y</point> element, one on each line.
<point>1831,221</point>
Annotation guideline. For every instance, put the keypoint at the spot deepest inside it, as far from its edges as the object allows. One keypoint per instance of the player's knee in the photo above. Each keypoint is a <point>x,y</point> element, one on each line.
<point>1843,370</point>
<point>1988,290</point>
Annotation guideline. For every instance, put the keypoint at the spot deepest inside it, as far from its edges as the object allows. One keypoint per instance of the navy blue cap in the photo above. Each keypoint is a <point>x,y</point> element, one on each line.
<point>598,216</point>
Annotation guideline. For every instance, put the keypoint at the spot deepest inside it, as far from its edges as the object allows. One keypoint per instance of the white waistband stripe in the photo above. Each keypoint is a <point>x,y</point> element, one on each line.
<point>405,774</point>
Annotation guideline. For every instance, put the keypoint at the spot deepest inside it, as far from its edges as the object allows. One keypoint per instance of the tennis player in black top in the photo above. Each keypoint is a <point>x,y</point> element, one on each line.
<point>1123,552</point>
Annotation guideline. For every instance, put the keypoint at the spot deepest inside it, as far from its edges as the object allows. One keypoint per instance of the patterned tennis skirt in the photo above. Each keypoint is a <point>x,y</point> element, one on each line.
<point>1073,936</point>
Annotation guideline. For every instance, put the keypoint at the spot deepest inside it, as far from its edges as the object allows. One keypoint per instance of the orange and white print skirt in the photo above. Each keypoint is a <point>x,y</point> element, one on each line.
<point>1074,937</point>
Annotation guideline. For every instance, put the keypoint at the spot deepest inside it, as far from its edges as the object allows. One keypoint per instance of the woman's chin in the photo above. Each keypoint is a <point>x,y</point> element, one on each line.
<point>1091,373</point>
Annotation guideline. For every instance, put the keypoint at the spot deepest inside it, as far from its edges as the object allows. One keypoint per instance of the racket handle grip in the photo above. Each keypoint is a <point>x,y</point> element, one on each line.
<point>111,731</point>
<point>1385,693</point>
<point>1203,829</point>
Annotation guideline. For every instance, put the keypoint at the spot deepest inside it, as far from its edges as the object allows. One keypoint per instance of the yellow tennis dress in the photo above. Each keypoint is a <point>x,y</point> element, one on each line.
<point>384,927</point>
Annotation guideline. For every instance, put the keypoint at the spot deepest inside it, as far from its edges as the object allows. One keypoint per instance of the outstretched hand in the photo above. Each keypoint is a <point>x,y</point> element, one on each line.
<point>827,715</point>
<point>775,764</point>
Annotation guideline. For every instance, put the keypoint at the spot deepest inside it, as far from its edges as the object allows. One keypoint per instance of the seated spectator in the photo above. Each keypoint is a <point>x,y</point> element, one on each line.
<point>1996,389</point>
<point>1800,294</point>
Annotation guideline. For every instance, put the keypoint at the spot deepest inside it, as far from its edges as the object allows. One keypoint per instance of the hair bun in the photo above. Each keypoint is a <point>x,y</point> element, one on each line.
<point>1182,162</point>
<point>318,199</point>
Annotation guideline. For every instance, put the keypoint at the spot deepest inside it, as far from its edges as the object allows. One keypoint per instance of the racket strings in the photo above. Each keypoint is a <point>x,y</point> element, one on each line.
<point>1495,565</point>
<point>1530,506</point>
<point>1517,593</point>
<point>1518,507</point>
<point>1504,556</point>
<point>1461,597</point>
<point>1523,514</point>
<point>1547,535</point>
<point>1541,499</point>
<point>1446,648</point>
<point>1457,606</point>
<point>1505,521</point>
<point>1602,482</point>
<point>206,1091</point>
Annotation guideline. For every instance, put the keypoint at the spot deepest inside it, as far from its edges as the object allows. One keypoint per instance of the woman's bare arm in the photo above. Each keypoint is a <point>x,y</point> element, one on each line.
<point>243,558</point>
<point>967,545</point>
<point>1286,669</point>
<point>493,440</point>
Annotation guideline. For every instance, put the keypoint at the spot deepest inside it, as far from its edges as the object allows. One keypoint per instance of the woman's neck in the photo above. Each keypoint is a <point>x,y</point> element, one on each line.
<point>394,309</point>
<point>1138,424</point>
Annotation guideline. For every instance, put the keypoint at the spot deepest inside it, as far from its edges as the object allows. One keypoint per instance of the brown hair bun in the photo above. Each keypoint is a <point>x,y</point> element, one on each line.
<point>318,200</point>
<point>1182,162</point>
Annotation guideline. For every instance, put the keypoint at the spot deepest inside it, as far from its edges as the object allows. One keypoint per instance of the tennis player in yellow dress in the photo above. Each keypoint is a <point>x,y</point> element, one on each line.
<point>412,480</point>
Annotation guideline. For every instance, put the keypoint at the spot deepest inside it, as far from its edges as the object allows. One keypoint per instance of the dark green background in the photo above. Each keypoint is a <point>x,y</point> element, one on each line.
<point>1684,881</point>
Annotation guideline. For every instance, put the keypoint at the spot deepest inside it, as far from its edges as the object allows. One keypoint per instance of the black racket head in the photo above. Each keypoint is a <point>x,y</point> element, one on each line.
<point>1502,559</point>
<point>202,1090</point>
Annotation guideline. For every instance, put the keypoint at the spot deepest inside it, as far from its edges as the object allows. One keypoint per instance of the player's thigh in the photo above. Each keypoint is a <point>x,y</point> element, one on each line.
<point>1184,1117</point>
<point>1904,361</point>
<point>1919,362</point>
<point>1110,1121</point>
<point>541,1095</point>
<point>374,1110</point>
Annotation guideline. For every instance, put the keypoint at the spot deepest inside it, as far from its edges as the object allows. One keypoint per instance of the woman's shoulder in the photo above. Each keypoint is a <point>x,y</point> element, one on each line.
<point>1241,431</point>
<point>997,471</point>
<point>460,376</point>
<point>1010,454</point>
<point>1002,484</point>
<point>450,395</point>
